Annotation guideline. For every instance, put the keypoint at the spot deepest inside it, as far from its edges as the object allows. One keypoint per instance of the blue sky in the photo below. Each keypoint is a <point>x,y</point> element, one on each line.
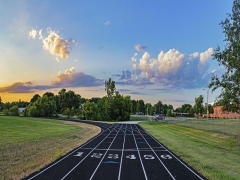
<point>154,50</point>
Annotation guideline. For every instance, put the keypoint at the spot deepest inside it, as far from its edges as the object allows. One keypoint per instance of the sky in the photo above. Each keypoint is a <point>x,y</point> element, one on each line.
<point>153,50</point>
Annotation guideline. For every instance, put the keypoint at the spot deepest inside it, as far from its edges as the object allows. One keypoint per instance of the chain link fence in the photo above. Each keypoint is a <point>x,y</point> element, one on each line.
<point>228,127</point>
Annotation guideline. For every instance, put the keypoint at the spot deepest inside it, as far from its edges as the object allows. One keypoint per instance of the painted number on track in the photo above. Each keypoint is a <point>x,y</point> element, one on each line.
<point>131,156</point>
<point>79,154</point>
<point>113,156</point>
<point>96,155</point>
<point>165,156</point>
<point>149,157</point>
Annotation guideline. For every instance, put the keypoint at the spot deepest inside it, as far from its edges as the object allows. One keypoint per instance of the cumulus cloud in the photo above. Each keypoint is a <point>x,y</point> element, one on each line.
<point>204,56</point>
<point>173,68</point>
<point>22,87</point>
<point>71,78</point>
<point>53,43</point>
<point>139,47</point>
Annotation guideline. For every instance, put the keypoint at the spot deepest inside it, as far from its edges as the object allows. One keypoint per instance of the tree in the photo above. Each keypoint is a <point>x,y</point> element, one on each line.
<point>158,107</point>
<point>90,110</point>
<point>5,112</point>
<point>0,100</point>
<point>210,109</point>
<point>48,94</point>
<point>179,110</point>
<point>103,109</point>
<point>141,106</point>
<point>121,107</point>
<point>68,99</point>
<point>13,111</point>
<point>149,109</point>
<point>35,97</point>
<point>229,57</point>
<point>42,107</point>
<point>198,107</point>
<point>94,99</point>
<point>69,112</point>
<point>134,106</point>
<point>110,87</point>
<point>186,108</point>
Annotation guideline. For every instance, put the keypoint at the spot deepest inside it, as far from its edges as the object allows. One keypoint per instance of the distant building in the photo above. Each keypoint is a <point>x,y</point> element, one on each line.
<point>219,114</point>
<point>21,110</point>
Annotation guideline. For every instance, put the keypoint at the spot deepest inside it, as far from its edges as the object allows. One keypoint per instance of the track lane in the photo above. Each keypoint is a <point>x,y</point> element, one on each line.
<point>120,151</point>
<point>175,167</point>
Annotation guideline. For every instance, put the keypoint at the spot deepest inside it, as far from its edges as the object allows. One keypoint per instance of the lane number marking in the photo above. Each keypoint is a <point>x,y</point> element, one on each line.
<point>165,156</point>
<point>131,156</point>
<point>113,156</point>
<point>96,155</point>
<point>79,154</point>
<point>149,157</point>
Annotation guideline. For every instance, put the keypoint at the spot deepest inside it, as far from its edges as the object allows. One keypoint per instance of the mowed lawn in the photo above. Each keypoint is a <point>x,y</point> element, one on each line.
<point>213,155</point>
<point>28,144</point>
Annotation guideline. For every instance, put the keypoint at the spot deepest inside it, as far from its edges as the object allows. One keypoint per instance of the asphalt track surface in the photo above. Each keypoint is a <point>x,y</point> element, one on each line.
<point>121,151</point>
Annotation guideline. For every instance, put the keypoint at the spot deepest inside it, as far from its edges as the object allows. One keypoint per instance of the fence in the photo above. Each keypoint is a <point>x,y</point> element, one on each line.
<point>228,127</point>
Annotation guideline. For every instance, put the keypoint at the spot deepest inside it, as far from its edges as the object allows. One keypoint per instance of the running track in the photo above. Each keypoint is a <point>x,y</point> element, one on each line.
<point>121,151</point>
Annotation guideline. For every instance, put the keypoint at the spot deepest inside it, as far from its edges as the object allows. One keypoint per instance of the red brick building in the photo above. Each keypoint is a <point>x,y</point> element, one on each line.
<point>219,114</point>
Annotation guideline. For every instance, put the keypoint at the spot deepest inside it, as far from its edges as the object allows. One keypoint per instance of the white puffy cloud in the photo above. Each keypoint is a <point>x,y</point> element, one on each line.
<point>56,45</point>
<point>139,47</point>
<point>193,55</point>
<point>170,62</point>
<point>53,43</point>
<point>204,56</point>
<point>174,68</point>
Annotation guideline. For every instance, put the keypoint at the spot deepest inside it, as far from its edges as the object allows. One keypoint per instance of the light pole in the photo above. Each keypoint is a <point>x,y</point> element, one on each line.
<point>207,101</point>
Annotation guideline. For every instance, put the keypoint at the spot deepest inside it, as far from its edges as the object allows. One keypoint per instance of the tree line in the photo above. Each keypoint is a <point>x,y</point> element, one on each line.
<point>113,106</point>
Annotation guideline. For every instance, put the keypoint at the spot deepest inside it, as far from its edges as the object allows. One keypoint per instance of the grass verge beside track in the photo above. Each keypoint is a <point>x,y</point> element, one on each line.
<point>213,155</point>
<point>28,144</point>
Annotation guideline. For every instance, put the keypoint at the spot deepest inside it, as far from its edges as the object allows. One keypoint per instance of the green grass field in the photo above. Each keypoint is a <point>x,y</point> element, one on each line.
<point>224,126</point>
<point>212,154</point>
<point>28,144</point>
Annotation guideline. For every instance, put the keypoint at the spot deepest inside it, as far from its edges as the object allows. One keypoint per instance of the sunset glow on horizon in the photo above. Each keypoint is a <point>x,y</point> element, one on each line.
<point>157,50</point>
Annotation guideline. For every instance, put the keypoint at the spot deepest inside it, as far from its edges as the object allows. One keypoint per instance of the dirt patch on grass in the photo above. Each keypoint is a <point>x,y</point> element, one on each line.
<point>21,159</point>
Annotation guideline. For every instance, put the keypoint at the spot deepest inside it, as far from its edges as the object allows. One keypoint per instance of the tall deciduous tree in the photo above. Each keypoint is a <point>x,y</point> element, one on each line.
<point>90,110</point>
<point>110,87</point>
<point>198,106</point>
<point>35,97</point>
<point>229,57</point>
<point>48,94</point>
<point>13,111</point>
<point>68,99</point>
<point>42,107</point>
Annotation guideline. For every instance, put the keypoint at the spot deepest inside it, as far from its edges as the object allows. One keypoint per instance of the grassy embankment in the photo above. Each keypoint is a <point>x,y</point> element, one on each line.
<point>28,144</point>
<point>213,155</point>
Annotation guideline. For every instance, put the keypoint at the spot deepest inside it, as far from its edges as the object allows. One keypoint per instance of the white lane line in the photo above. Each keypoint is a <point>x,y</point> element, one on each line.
<point>175,157</point>
<point>104,154</point>
<point>67,155</point>
<point>140,157</point>
<point>141,149</point>
<point>85,156</point>
<point>158,158</point>
<point>120,168</point>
